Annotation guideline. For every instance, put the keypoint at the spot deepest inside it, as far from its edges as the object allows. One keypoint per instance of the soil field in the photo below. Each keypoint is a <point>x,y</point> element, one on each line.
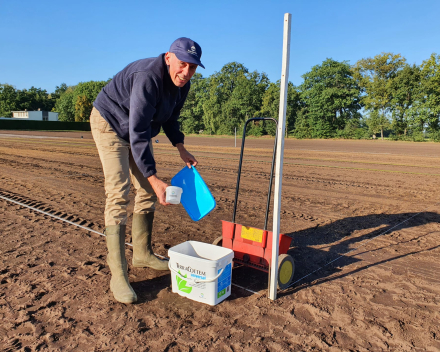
<point>363,217</point>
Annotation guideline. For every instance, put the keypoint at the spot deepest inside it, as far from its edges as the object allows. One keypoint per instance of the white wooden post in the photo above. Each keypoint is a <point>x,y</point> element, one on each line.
<point>279,158</point>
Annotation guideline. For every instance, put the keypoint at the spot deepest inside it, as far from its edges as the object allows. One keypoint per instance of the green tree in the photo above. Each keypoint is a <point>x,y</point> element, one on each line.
<point>83,108</point>
<point>403,90</point>
<point>270,106</point>
<point>377,122</point>
<point>425,112</point>
<point>331,97</point>
<point>246,100</point>
<point>191,115</point>
<point>8,100</point>
<point>84,95</point>
<point>220,87</point>
<point>65,105</point>
<point>33,99</point>
<point>59,90</point>
<point>75,103</point>
<point>303,127</point>
<point>374,76</point>
<point>233,95</point>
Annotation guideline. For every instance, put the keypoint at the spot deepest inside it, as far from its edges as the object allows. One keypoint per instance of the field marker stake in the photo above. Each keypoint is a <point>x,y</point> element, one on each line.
<point>273,274</point>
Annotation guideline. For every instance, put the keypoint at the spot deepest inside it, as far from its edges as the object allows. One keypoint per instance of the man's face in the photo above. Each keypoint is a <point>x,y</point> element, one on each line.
<point>180,71</point>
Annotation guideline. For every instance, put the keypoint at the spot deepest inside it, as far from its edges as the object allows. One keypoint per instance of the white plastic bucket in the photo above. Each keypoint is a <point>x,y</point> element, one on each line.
<point>173,194</point>
<point>201,271</point>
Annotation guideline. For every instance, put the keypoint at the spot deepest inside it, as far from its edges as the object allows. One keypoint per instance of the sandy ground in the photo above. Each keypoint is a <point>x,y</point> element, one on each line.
<point>372,205</point>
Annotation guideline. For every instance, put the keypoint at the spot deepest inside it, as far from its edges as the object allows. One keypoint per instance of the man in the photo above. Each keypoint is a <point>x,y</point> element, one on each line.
<point>129,111</point>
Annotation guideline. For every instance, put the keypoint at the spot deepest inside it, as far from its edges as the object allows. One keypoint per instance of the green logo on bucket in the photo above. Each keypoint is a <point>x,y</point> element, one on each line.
<point>221,293</point>
<point>181,284</point>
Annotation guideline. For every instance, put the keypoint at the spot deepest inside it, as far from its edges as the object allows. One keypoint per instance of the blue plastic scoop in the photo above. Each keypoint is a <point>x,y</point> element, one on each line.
<point>196,197</point>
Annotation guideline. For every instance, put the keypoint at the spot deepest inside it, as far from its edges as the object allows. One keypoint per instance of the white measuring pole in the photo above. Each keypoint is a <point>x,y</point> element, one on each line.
<point>279,158</point>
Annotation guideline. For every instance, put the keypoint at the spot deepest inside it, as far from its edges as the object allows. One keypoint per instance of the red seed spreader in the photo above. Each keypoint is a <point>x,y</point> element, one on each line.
<point>252,246</point>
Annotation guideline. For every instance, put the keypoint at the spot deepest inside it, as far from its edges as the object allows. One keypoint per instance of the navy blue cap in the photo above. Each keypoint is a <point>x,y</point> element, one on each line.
<point>187,50</point>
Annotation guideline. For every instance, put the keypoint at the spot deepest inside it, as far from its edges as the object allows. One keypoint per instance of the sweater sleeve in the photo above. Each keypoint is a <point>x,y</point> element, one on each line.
<point>143,99</point>
<point>172,126</point>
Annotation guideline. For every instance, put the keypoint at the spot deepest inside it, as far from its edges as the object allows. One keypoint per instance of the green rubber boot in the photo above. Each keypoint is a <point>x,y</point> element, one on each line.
<point>119,284</point>
<point>141,232</point>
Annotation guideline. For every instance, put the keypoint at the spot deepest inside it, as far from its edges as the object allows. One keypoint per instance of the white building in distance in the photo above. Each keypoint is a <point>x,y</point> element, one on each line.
<point>35,115</point>
<point>32,115</point>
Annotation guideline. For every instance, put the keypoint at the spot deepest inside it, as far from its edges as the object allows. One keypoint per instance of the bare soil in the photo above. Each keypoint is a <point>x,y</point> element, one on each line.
<point>363,217</point>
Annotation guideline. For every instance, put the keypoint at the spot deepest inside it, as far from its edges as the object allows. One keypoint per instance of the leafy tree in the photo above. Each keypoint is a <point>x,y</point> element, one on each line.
<point>59,90</point>
<point>220,88</point>
<point>270,106</point>
<point>403,90</point>
<point>75,103</point>
<point>374,76</point>
<point>331,97</point>
<point>83,108</point>
<point>65,105</point>
<point>377,122</point>
<point>84,95</point>
<point>354,129</point>
<point>191,115</point>
<point>425,111</point>
<point>303,127</point>
<point>31,99</point>
<point>246,100</point>
<point>34,99</point>
<point>8,100</point>
<point>233,95</point>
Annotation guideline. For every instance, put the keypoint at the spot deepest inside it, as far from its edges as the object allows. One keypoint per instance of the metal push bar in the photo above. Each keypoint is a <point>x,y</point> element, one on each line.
<point>271,172</point>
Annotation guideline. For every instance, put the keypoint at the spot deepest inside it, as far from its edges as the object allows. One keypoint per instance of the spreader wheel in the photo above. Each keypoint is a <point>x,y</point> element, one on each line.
<point>218,241</point>
<point>286,269</point>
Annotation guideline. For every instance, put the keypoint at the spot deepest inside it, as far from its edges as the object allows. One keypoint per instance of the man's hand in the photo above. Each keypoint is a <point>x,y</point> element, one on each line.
<point>159,187</point>
<point>186,156</point>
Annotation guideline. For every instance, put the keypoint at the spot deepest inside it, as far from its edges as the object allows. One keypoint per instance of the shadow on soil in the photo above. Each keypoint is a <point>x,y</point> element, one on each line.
<point>147,290</point>
<point>338,238</point>
<point>341,237</point>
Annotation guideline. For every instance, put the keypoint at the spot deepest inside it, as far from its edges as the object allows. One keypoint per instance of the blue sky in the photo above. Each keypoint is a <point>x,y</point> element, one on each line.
<point>45,43</point>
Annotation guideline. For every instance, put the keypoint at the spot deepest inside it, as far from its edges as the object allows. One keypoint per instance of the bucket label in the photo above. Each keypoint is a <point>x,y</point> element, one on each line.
<point>250,233</point>
<point>224,281</point>
<point>195,273</point>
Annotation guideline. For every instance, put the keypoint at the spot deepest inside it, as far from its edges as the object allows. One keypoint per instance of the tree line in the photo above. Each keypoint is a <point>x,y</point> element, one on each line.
<point>379,96</point>
<point>73,103</point>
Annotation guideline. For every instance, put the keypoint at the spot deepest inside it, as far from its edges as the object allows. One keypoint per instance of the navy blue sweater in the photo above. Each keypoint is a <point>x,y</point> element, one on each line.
<point>137,102</point>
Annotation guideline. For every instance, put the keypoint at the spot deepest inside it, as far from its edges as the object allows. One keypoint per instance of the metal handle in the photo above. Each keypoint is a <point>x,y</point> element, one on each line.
<point>271,172</point>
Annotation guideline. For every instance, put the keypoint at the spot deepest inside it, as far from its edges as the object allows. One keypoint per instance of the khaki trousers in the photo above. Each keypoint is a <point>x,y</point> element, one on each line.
<point>119,166</point>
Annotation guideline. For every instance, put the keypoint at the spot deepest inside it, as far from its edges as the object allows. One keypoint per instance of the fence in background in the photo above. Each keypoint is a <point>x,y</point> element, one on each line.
<point>13,124</point>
